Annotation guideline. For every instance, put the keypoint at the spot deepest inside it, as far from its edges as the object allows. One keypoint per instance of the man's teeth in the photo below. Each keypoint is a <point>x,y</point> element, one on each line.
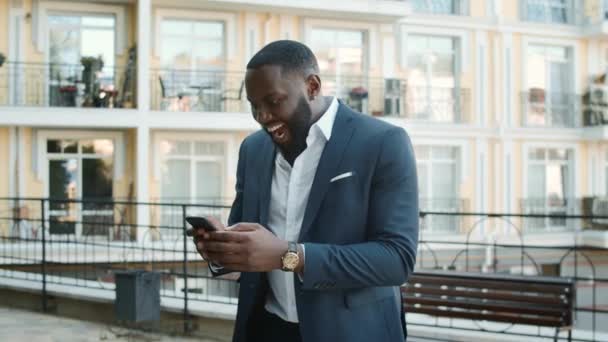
<point>274,128</point>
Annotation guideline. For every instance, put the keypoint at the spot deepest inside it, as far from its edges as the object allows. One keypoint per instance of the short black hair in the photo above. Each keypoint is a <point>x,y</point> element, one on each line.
<point>290,55</point>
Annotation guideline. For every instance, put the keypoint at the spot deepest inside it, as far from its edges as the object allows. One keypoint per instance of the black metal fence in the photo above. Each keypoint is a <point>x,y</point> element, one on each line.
<point>83,243</point>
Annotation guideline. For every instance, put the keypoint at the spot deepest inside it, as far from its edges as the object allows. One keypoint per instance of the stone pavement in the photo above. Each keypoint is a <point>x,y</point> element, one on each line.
<point>22,325</point>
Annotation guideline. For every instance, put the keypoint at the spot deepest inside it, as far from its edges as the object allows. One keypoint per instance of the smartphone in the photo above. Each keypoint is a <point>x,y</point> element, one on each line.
<point>199,222</point>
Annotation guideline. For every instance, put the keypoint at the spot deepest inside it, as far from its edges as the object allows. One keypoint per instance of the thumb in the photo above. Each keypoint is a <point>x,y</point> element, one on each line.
<point>242,227</point>
<point>217,224</point>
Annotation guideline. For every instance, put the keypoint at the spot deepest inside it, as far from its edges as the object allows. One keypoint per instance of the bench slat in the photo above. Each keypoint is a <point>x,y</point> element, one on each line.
<point>551,300</point>
<point>541,321</point>
<point>491,306</point>
<point>522,286</point>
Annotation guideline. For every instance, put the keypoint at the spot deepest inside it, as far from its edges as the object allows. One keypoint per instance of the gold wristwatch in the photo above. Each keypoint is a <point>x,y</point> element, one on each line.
<point>290,259</point>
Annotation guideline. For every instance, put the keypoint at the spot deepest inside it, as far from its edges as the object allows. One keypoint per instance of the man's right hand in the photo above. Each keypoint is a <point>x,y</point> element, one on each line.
<point>199,235</point>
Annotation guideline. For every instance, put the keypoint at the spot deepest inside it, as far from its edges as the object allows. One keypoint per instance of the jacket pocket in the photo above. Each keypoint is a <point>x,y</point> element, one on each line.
<point>368,295</point>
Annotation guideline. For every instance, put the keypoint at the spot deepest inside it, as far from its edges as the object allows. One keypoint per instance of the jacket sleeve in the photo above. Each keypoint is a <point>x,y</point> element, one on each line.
<point>388,257</point>
<point>236,211</point>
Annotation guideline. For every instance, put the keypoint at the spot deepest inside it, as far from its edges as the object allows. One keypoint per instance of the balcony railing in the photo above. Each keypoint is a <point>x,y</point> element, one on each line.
<point>550,206</point>
<point>445,223</point>
<point>218,91</point>
<point>66,85</point>
<point>197,91</point>
<point>454,7</point>
<point>550,12</point>
<point>544,109</point>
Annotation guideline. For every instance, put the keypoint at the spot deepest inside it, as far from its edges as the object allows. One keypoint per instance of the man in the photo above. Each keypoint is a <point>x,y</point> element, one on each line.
<point>324,225</point>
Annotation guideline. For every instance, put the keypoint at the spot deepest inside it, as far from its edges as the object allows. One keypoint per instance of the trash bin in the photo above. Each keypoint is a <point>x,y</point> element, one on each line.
<point>137,296</point>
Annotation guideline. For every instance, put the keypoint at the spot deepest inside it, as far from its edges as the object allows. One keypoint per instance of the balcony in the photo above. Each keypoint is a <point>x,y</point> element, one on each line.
<point>224,92</point>
<point>543,109</point>
<point>66,85</point>
<point>361,9</point>
<point>444,7</point>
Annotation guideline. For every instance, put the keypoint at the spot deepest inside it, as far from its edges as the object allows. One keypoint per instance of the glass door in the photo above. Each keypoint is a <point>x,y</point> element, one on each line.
<point>80,169</point>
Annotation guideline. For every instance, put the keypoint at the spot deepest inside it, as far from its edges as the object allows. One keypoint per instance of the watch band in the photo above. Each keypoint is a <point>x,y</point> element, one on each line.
<point>292,247</point>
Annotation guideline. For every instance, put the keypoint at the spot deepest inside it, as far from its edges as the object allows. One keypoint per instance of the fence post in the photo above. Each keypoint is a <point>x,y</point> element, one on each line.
<point>43,228</point>
<point>185,271</point>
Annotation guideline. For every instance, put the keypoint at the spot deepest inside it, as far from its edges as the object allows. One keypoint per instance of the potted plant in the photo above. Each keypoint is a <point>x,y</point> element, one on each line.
<point>91,66</point>
<point>2,58</point>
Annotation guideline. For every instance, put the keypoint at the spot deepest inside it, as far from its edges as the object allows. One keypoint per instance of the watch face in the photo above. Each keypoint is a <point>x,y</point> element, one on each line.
<point>290,261</point>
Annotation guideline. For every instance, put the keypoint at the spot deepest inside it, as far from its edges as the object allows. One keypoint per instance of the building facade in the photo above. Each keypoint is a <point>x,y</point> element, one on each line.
<point>144,100</point>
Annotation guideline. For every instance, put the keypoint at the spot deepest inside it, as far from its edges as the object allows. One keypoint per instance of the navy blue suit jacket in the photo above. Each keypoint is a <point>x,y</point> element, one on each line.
<point>360,232</point>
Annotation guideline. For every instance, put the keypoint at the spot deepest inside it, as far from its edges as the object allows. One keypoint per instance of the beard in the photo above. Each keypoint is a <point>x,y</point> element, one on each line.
<point>299,125</point>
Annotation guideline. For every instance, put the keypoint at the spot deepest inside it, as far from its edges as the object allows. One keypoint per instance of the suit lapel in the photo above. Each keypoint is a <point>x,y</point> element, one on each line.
<point>266,169</point>
<point>330,160</point>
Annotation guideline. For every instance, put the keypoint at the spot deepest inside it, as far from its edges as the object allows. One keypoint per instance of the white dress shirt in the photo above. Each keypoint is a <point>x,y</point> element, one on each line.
<point>288,199</point>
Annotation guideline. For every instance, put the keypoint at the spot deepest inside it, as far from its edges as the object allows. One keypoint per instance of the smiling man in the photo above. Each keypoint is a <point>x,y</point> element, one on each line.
<point>324,225</point>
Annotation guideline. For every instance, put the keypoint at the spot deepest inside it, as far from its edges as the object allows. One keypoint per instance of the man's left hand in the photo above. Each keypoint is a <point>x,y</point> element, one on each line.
<point>245,247</point>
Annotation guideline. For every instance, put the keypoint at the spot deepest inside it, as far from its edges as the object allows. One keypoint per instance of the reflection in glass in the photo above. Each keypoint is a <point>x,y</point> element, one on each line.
<point>97,185</point>
<point>63,183</point>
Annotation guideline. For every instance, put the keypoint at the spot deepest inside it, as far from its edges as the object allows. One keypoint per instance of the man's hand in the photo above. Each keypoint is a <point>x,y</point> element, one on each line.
<point>199,233</point>
<point>245,247</point>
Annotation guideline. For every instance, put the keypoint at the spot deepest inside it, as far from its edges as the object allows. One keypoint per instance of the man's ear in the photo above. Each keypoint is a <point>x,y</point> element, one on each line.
<point>313,83</point>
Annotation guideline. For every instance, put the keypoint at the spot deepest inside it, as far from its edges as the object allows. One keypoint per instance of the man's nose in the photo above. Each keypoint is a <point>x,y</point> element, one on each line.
<point>264,116</point>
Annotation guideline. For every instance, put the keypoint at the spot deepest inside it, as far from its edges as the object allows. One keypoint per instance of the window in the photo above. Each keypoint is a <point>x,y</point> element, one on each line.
<point>438,181</point>
<point>191,172</point>
<point>549,187</point>
<point>439,6</point>
<point>550,100</point>
<point>548,11</point>
<point>192,45</point>
<point>193,57</point>
<point>342,58</point>
<point>70,38</point>
<point>77,169</point>
<point>433,82</point>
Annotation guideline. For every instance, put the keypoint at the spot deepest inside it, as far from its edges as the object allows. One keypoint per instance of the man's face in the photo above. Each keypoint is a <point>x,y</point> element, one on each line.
<point>279,104</point>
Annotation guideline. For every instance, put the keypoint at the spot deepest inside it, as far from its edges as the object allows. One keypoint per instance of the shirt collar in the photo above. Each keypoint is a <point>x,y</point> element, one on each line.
<point>326,122</point>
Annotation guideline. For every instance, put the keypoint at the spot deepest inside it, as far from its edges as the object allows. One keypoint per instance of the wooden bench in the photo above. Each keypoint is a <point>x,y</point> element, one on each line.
<point>537,301</point>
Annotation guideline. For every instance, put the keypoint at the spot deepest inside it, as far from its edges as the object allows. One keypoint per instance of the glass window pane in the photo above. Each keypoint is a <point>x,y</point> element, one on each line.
<point>63,184</point>
<point>176,52</point>
<point>63,20</point>
<point>175,179</point>
<point>556,181</point>
<point>536,154</point>
<point>97,178</point>
<point>536,182</point>
<point>443,153</point>
<point>64,46</point>
<point>423,191</point>
<point>208,181</point>
<point>96,43</point>
<point>209,29</point>
<point>174,147</point>
<point>69,146</point>
<point>53,146</point>
<point>98,146</point>
<point>178,27</point>
<point>98,21</point>
<point>422,152</point>
<point>444,181</point>
<point>208,148</point>
<point>558,154</point>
